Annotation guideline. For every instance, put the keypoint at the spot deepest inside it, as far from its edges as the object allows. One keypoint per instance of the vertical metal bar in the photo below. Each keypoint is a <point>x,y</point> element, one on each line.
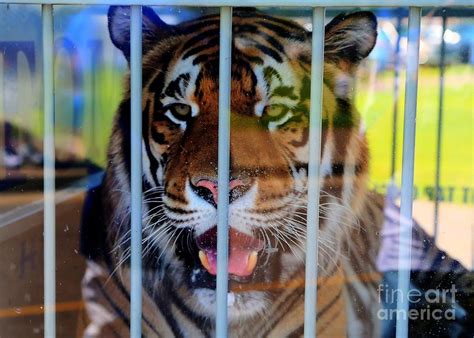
<point>136,167</point>
<point>396,94</point>
<point>49,175</point>
<point>440,130</point>
<point>225,59</point>
<point>472,247</point>
<point>317,68</point>
<point>405,238</point>
<point>3,118</point>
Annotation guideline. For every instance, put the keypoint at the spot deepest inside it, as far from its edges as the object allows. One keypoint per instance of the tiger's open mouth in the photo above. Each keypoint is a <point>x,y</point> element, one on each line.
<point>243,253</point>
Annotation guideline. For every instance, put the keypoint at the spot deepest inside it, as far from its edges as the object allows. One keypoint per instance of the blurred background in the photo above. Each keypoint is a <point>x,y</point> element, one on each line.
<point>88,87</point>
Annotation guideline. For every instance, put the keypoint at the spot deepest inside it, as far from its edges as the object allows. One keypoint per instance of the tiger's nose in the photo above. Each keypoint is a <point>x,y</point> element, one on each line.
<point>207,189</point>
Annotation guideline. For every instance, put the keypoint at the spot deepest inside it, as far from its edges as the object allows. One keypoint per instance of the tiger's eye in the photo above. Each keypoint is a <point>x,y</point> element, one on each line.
<point>180,111</point>
<point>273,111</point>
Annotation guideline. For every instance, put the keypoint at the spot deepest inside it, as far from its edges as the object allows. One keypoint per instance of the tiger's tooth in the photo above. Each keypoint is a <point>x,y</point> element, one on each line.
<point>204,261</point>
<point>252,262</point>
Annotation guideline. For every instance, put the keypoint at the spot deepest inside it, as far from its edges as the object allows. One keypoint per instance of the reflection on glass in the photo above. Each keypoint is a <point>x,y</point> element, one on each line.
<point>21,174</point>
<point>86,81</point>
<point>359,215</point>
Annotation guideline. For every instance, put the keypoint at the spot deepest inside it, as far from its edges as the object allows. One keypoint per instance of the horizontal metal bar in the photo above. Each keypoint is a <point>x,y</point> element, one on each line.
<point>258,3</point>
<point>225,58</point>
<point>49,161</point>
<point>408,166</point>
<point>311,277</point>
<point>136,176</point>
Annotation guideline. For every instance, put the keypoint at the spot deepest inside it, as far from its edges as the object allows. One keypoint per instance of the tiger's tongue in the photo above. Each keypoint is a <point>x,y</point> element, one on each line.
<point>243,251</point>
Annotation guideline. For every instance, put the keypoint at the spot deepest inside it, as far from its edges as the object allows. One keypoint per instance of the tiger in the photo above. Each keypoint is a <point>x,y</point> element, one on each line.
<point>269,115</point>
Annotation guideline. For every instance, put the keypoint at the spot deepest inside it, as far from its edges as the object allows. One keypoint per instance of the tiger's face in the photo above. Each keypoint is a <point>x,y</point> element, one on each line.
<point>270,102</point>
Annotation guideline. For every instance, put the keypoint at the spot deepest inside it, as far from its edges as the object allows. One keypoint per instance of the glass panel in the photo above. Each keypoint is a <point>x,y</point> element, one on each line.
<point>88,84</point>
<point>21,127</point>
<point>362,133</point>
<point>21,172</point>
<point>444,263</point>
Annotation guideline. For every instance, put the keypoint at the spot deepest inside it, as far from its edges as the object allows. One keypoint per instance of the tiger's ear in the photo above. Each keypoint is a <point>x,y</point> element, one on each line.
<point>153,28</point>
<point>350,38</point>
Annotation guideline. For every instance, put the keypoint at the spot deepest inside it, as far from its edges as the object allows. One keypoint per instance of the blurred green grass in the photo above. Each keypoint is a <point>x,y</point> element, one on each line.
<point>375,104</point>
<point>101,95</point>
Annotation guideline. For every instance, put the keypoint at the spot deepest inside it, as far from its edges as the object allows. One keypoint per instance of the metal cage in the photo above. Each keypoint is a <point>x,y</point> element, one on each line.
<point>415,7</point>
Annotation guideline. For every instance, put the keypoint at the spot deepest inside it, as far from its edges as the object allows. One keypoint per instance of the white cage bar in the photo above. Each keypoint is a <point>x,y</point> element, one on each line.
<point>136,168</point>
<point>312,220</point>
<point>224,146</point>
<point>225,58</point>
<point>49,175</point>
<point>408,166</point>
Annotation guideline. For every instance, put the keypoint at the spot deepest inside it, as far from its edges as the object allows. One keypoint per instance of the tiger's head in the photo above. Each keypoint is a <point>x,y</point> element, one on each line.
<point>270,99</point>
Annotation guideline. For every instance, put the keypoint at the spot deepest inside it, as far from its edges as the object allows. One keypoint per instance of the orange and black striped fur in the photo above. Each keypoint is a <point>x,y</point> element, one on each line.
<point>268,170</point>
